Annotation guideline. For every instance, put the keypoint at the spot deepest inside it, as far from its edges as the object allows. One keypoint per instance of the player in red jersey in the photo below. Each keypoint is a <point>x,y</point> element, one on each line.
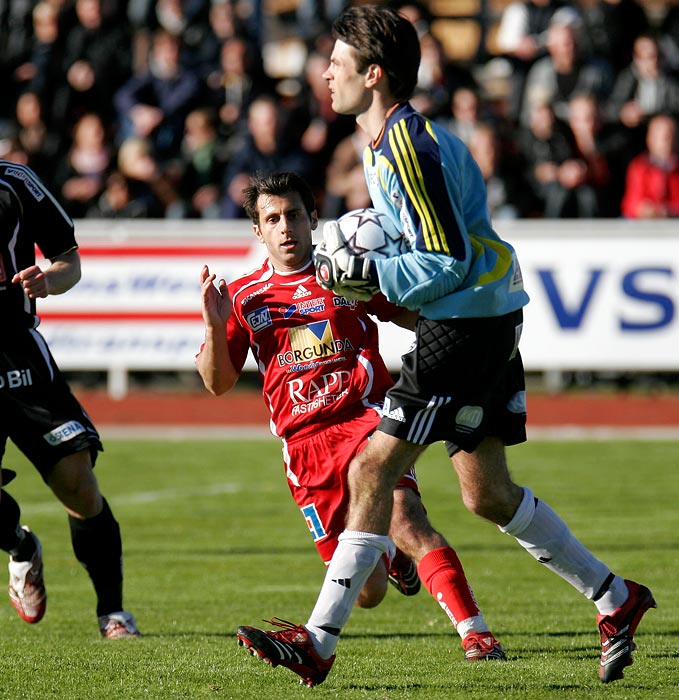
<point>323,381</point>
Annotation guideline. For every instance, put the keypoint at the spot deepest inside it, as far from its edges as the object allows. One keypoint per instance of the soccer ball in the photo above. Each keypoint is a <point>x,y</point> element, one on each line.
<point>370,234</point>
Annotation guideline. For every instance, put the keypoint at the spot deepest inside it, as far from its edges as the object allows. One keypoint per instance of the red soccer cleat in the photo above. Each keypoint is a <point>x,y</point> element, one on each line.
<point>292,647</point>
<point>482,646</point>
<point>617,632</point>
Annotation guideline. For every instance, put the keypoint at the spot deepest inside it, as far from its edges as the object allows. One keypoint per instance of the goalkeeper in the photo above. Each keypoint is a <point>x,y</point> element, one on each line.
<point>463,380</point>
<point>323,381</point>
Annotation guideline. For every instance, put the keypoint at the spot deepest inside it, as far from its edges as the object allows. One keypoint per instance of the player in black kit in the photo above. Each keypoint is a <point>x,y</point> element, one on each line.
<point>39,413</point>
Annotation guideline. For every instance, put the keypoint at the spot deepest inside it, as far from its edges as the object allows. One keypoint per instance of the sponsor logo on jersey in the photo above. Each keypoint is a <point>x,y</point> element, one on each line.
<point>258,319</point>
<point>342,301</point>
<point>301,292</point>
<point>309,395</point>
<point>252,295</point>
<point>31,185</point>
<point>310,343</point>
<point>310,306</point>
<point>16,378</point>
<point>64,432</point>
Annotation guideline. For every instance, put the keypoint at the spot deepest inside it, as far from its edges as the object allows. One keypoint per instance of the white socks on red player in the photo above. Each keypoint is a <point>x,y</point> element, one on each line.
<point>542,533</point>
<point>352,563</point>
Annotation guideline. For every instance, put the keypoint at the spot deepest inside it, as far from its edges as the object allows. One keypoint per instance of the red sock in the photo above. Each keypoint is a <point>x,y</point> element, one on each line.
<point>442,574</point>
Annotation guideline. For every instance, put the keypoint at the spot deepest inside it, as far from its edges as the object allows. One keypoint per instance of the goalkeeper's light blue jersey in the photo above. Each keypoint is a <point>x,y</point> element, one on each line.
<point>427,182</point>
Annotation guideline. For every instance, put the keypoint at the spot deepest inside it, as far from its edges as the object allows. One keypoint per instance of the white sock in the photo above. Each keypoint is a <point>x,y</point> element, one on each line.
<point>615,596</point>
<point>471,624</point>
<point>353,561</point>
<point>544,535</point>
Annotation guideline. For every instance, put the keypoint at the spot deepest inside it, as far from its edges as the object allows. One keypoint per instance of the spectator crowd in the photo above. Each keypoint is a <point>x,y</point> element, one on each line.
<point>164,108</point>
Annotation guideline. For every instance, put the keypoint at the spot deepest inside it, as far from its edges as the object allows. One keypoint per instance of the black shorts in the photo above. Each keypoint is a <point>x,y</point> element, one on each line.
<point>463,380</point>
<point>38,412</point>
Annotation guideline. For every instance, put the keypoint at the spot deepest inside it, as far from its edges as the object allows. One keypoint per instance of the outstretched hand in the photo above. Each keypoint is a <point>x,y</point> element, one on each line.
<point>216,302</point>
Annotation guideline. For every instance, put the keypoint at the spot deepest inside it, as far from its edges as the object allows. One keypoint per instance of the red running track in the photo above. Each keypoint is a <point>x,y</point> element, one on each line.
<point>247,408</point>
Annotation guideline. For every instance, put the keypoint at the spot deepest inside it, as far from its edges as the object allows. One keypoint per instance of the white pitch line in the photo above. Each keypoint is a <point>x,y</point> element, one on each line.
<point>144,497</point>
<point>253,432</point>
<point>602,433</point>
<point>184,432</point>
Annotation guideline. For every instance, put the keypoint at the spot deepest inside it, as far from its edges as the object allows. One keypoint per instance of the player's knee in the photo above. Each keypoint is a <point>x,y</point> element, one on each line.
<point>75,485</point>
<point>481,503</point>
<point>494,505</point>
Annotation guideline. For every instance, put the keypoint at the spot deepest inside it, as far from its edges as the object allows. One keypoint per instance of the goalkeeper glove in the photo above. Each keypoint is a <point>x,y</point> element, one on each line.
<point>337,267</point>
<point>356,292</point>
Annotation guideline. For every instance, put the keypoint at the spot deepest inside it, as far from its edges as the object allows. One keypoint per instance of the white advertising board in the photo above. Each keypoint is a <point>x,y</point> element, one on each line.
<point>604,295</point>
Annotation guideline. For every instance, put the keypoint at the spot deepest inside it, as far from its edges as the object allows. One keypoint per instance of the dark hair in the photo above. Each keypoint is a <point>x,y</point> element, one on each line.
<point>381,35</point>
<point>277,185</point>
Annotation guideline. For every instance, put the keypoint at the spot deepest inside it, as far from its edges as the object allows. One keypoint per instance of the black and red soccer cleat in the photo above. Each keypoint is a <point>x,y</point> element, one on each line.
<point>403,574</point>
<point>482,646</point>
<point>617,632</point>
<point>291,647</point>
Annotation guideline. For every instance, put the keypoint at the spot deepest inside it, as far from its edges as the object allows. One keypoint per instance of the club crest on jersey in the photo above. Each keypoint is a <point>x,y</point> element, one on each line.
<point>311,342</point>
<point>258,319</point>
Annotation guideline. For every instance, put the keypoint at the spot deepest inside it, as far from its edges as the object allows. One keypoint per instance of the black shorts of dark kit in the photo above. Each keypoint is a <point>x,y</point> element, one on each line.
<point>38,411</point>
<point>463,380</point>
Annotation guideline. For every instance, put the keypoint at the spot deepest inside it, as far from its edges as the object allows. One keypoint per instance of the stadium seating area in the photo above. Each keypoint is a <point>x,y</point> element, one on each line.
<point>162,108</point>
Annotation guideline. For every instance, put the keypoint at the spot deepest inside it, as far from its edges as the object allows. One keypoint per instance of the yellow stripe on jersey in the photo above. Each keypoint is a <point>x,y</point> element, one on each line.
<point>406,161</point>
<point>387,164</point>
<point>504,258</point>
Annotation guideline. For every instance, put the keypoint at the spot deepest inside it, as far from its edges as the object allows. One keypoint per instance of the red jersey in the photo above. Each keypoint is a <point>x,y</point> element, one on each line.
<point>317,352</point>
<point>646,181</point>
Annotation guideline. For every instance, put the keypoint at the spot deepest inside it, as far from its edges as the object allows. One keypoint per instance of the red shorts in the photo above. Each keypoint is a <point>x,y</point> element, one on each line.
<point>317,476</point>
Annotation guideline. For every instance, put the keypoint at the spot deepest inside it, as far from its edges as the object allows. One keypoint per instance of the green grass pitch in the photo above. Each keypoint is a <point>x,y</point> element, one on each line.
<point>212,540</point>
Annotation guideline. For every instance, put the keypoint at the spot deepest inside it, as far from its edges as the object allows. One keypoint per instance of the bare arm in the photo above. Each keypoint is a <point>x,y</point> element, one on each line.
<point>407,319</point>
<point>62,274</point>
<point>213,362</point>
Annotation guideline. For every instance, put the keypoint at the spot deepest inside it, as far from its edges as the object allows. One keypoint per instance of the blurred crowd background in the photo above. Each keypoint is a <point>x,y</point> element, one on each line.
<point>163,108</point>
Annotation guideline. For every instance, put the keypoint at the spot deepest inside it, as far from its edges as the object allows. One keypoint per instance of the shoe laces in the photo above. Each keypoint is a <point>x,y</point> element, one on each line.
<point>608,630</point>
<point>481,643</point>
<point>23,575</point>
<point>290,631</point>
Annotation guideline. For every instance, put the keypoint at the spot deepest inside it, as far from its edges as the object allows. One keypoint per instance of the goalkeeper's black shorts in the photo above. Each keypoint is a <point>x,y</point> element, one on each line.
<point>462,380</point>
